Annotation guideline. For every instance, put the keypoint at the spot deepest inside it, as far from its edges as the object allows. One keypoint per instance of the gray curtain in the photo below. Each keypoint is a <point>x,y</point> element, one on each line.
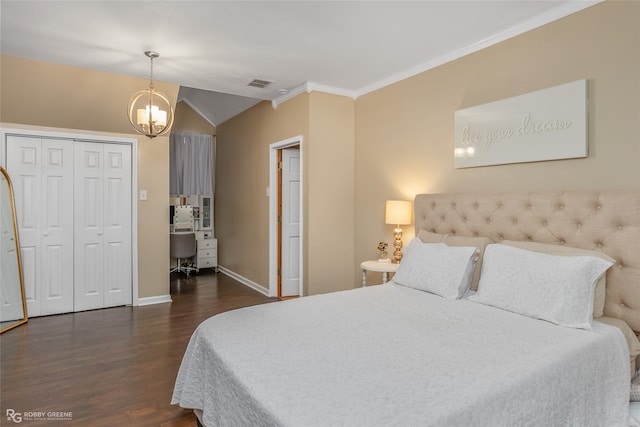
<point>190,163</point>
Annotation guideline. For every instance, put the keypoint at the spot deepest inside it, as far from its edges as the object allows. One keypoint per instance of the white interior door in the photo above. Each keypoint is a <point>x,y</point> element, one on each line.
<point>290,284</point>
<point>89,227</point>
<point>117,225</point>
<point>102,225</point>
<point>41,170</point>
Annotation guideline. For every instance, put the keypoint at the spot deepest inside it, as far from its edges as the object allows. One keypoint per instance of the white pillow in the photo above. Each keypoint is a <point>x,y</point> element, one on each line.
<point>437,268</point>
<point>601,283</point>
<point>555,288</point>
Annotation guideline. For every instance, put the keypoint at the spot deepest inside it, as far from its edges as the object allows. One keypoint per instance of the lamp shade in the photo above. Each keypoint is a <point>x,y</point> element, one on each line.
<point>397,212</point>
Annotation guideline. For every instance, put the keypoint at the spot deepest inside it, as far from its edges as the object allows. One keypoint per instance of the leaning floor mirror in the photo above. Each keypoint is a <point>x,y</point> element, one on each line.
<point>13,307</point>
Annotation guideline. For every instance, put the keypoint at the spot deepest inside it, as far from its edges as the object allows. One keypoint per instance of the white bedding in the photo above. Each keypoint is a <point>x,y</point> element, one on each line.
<point>391,355</point>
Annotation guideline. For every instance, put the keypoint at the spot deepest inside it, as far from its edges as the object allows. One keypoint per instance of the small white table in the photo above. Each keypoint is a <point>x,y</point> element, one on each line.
<point>382,267</point>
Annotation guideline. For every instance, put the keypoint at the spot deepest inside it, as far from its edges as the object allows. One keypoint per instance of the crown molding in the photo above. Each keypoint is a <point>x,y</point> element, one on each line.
<point>552,15</point>
<point>309,87</point>
<point>287,96</point>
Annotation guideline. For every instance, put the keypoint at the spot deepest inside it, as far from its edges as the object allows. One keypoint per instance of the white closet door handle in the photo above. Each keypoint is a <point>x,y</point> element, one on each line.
<point>99,233</point>
<point>45,234</point>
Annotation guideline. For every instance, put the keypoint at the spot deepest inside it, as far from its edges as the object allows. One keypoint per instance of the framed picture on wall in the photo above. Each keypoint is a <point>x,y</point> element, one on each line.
<point>548,124</point>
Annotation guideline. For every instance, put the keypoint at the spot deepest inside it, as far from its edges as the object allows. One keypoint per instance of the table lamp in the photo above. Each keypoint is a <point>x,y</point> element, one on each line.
<point>397,212</point>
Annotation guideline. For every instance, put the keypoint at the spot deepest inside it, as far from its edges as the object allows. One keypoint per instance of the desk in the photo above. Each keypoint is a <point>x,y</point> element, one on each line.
<point>383,267</point>
<point>206,250</point>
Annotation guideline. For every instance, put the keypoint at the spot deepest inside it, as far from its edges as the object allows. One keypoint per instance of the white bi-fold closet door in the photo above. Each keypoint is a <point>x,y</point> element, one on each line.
<point>102,232</point>
<point>73,202</point>
<point>42,174</point>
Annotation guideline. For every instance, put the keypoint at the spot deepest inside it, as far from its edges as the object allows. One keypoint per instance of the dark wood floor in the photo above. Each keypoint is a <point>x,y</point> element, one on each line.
<point>112,367</point>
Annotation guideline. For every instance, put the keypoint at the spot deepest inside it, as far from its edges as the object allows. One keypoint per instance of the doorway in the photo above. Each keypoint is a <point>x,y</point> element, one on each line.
<point>286,218</point>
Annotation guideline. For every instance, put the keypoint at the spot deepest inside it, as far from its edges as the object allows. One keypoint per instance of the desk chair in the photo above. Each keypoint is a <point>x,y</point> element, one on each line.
<point>183,246</point>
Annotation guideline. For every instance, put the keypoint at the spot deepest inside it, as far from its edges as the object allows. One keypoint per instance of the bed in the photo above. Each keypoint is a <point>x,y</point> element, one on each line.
<point>446,342</point>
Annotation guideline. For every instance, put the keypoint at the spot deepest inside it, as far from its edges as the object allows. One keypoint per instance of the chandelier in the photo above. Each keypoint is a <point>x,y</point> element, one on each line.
<point>150,112</point>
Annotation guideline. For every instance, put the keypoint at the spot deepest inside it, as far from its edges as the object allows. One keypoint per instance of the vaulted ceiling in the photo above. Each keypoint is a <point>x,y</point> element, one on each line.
<point>214,49</point>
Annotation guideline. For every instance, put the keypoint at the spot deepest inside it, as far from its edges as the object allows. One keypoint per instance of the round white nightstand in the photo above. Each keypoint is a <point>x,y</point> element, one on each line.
<point>382,267</point>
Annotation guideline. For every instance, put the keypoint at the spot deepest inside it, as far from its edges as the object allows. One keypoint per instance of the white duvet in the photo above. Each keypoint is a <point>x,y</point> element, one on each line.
<point>394,356</point>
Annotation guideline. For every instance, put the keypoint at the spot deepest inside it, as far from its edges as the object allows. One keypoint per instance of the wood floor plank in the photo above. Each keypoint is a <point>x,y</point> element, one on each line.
<point>112,367</point>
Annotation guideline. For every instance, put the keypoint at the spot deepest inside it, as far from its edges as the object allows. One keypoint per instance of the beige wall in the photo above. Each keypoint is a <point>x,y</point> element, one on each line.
<point>330,211</point>
<point>41,95</point>
<point>404,143</point>
<point>188,120</point>
<point>326,123</point>
<point>242,176</point>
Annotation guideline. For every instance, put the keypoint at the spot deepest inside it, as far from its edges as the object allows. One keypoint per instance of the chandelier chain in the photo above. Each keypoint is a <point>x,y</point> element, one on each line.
<point>151,73</point>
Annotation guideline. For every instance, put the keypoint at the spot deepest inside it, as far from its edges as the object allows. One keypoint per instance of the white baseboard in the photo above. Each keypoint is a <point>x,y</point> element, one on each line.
<point>154,300</point>
<point>251,284</point>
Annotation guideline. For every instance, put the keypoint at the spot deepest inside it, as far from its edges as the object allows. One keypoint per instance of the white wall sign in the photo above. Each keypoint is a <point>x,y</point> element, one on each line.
<point>545,125</point>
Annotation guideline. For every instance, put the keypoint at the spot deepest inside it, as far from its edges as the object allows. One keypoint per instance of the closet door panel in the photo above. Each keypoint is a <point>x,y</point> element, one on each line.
<point>57,226</point>
<point>117,238</point>
<point>24,167</point>
<point>90,276</point>
<point>42,169</point>
<point>30,275</point>
<point>89,227</point>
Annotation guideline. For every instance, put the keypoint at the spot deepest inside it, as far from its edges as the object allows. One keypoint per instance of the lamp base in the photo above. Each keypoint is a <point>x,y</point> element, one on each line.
<point>397,245</point>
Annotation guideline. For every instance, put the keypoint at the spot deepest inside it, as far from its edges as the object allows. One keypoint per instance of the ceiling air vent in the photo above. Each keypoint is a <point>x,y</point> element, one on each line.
<point>259,83</point>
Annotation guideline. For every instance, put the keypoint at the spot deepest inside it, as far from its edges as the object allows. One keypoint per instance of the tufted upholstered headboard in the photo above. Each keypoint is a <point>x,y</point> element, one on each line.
<point>607,221</point>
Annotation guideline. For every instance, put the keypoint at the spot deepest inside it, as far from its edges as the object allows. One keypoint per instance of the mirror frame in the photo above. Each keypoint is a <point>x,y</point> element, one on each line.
<point>18,257</point>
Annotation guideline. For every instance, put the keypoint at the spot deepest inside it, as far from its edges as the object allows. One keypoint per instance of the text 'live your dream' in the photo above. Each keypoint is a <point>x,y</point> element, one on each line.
<point>527,127</point>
